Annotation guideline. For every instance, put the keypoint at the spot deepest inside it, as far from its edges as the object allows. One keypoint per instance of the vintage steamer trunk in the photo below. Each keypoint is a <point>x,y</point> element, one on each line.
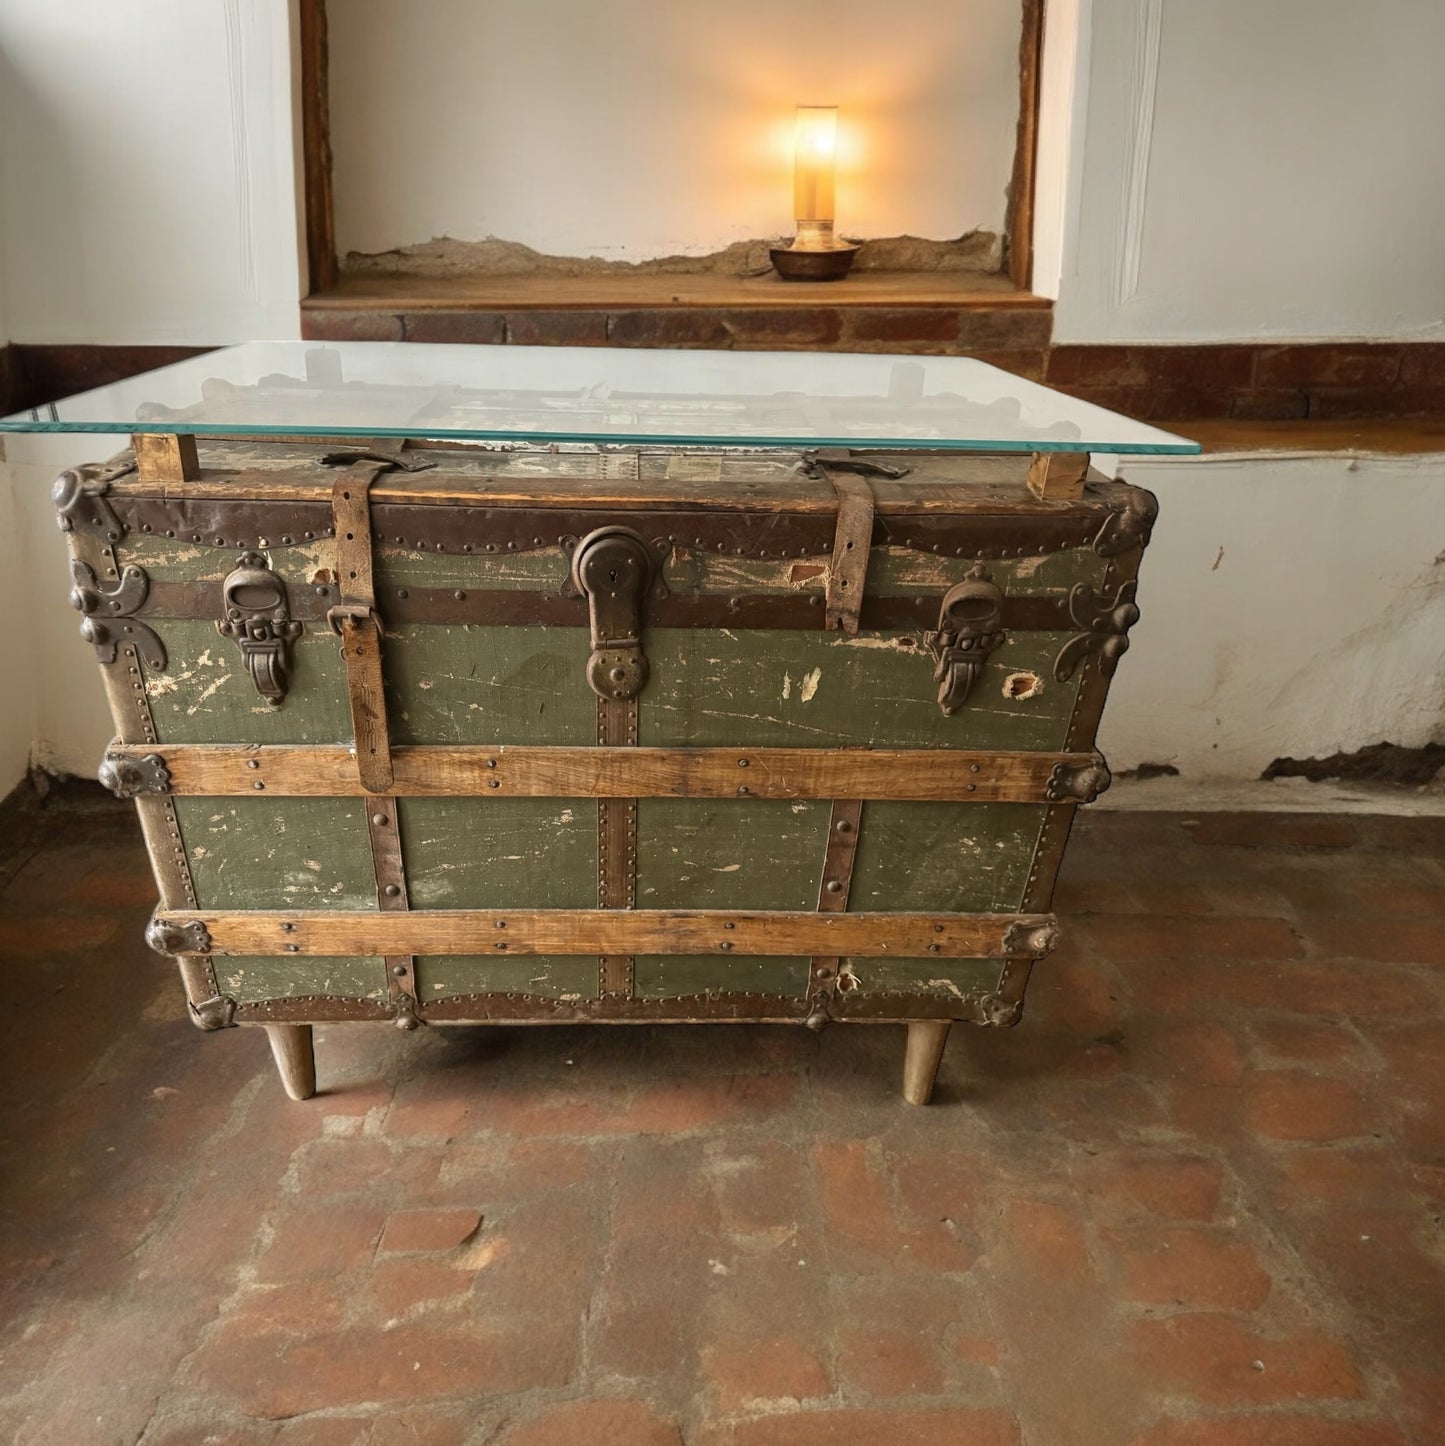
<point>434,733</point>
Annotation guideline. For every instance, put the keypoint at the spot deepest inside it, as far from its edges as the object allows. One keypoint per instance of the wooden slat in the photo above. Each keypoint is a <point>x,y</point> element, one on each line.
<point>1019,224</point>
<point>316,146</point>
<point>609,931</point>
<point>1058,476</point>
<point>166,457</point>
<point>523,772</point>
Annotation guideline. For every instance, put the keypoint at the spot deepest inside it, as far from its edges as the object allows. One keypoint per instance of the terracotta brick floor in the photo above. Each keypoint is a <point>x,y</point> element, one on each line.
<point>1194,1199</point>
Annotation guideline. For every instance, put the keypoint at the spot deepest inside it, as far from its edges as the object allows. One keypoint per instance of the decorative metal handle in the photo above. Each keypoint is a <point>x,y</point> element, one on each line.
<point>970,627</point>
<point>613,568</point>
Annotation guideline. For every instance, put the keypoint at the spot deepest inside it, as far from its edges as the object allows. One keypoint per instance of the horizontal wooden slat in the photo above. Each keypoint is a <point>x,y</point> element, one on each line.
<point>522,772</point>
<point>611,931</point>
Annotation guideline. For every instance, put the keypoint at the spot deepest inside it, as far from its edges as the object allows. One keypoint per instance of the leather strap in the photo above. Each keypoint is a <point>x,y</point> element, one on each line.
<point>851,544</point>
<point>355,620</point>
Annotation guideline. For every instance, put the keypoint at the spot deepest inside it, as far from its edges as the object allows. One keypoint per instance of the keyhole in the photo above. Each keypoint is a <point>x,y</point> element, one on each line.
<point>612,574</point>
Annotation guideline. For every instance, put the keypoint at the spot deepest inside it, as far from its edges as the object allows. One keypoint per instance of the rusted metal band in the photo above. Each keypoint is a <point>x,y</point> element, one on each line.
<point>455,526</point>
<point>844,825</point>
<point>497,607</point>
<point>391,896</point>
<point>852,542</point>
<point>616,842</point>
<point>602,931</point>
<point>355,619</point>
<point>618,769</point>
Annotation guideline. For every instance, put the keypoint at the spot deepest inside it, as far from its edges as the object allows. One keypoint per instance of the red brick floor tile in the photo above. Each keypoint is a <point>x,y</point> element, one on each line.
<point>1302,1105</point>
<point>395,1289</point>
<point>1276,1428</point>
<point>578,1423</point>
<point>748,1374</point>
<point>1202,1269</point>
<point>874,1362</point>
<point>1221,1361</point>
<point>276,1375</point>
<point>1305,1041</point>
<point>1050,1239</point>
<point>883,1427</point>
<point>315,1244</point>
<point>1157,937</point>
<point>1276,830</point>
<point>1390,940</point>
<point>1174,1187</point>
<point>410,1231</point>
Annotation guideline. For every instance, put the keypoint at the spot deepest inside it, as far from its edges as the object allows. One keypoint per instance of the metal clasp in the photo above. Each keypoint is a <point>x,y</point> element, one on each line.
<point>258,618</point>
<point>613,568</point>
<point>970,627</point>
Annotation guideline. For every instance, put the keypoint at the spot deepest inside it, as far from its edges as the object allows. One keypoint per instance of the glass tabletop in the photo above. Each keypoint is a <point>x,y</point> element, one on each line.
<point>595,394</point>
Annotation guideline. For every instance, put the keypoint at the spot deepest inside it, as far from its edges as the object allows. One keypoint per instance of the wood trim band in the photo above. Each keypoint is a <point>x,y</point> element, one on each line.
<point>329,771</point>
<point>313,54</point>
<point>619,931</point>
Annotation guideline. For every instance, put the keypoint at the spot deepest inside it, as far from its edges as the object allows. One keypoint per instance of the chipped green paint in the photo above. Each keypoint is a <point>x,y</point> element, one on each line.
<point>814,689</point>
<point>893,570</point>
<point>488,685</point>
<point>167,559</point>
<point>251,980</point>
<point>950,978</point>
<point>205,694</point>
<point>504,853</point>
<point>542,570</point>
<point>720,854</point>
<point>661,977</point>
<point>567,977</point>
<point>708,853</point>
<point>965,857</point>
<point>294,853</point>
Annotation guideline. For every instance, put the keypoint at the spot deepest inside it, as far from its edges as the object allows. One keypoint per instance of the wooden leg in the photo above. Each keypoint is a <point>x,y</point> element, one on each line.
<point>295,1058</point>
<point>921,1058</point>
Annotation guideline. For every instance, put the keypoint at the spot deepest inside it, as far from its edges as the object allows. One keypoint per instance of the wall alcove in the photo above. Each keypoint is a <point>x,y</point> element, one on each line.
<point>610,174</point>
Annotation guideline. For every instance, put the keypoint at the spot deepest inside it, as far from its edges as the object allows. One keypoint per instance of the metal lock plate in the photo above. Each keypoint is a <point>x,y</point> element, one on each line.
<point>257,616</point>
<point>970,627</point>
<point>614,568</point>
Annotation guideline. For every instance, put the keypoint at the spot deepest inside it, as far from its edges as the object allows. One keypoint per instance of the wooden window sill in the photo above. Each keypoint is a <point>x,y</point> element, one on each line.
<point>871,311</point>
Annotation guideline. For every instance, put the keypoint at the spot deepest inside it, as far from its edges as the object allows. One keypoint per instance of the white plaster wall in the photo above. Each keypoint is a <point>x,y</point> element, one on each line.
<point>18,713</point>
<point>57,715</point>
<point>1291,606</point>
<point>147,171</point>
<point>1252,170</point>
<point>629,129</point>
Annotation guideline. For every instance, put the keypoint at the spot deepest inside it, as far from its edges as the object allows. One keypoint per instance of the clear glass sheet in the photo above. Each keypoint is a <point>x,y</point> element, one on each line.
<point>593,394</point>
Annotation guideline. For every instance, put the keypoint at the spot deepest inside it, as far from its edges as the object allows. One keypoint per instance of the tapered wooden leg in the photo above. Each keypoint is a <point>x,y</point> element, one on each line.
<point>921,1058</point>
<point>295,1058</point>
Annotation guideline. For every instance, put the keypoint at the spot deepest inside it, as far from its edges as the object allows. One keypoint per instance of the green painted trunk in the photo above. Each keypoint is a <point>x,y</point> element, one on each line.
<point>460,683</point>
